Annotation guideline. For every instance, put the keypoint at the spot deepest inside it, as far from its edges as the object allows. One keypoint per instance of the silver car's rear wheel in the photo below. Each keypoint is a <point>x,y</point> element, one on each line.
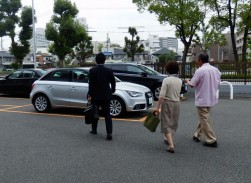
<point>117,107</point>
<point>41,103</point>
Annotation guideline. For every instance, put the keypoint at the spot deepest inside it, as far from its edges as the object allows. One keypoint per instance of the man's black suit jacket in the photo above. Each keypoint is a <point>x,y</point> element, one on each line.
<point>101,83</point>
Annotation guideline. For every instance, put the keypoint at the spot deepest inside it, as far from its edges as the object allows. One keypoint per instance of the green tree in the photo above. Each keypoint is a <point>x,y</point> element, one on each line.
<point>132,45</point>
<point>9,17</point>
<point>2,24</point>
<point>100,46</point>
<point>83,50</point>
<point>115,45</point>
<point>210,35</point>
<point>185,16</point>
<point>249,47</point>
<point>244,26</point>
<point>63,30</point>
<point>169,56</point>
<point>9,13</point>
<point>22,48</point>
<point>226,16</point>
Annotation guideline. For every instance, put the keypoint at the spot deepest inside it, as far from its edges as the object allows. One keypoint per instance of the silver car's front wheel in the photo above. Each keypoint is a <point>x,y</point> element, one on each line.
<point>156,92</point>
<point>117,107</point>
<point>41,103</point>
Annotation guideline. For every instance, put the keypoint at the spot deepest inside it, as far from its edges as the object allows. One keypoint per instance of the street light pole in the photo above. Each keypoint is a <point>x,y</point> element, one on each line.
<point>2,51</point>
<point>34,37</point>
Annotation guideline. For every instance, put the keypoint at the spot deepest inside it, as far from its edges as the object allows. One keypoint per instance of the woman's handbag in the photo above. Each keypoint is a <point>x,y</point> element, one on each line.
<point>151,122</point>
<point>183,87</point>
<point>91,113</point>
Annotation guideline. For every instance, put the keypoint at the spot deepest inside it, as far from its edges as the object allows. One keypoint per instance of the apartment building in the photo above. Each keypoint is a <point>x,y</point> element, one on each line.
<point>171,43</point>
<point>239,44</point>
<point>216,52</point>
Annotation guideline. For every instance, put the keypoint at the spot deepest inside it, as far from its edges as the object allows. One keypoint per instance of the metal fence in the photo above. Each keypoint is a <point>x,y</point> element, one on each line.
<point>236,73</point>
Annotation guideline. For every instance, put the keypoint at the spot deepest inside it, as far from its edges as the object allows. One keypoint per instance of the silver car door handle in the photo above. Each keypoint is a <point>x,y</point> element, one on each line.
<point>73,88</point>
<point>50,87</point>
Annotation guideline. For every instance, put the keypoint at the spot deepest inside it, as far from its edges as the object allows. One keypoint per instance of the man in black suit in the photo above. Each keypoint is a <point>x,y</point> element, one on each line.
<point>101,86</point>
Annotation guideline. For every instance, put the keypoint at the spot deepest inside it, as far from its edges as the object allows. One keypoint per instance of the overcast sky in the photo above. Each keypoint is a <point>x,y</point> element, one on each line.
<point>105,17</point>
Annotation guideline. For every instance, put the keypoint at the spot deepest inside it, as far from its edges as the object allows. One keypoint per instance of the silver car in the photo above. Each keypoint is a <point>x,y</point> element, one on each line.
<point>68,87</point>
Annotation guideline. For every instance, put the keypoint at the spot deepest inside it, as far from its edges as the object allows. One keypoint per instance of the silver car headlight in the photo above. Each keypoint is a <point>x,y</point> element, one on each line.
<point>135,94</point>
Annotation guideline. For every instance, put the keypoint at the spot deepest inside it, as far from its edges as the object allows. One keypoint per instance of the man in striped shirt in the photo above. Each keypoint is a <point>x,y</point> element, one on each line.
<point>205,81</point>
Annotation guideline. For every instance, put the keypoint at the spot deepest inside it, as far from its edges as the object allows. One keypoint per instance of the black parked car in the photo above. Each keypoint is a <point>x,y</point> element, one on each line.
<point>140,74</point>
<point>20,81</point>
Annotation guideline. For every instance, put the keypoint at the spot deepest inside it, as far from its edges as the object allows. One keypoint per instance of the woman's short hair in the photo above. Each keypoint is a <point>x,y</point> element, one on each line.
<point>172,67</point>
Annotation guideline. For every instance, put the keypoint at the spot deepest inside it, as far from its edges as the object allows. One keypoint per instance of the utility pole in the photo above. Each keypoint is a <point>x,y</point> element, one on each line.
<point>107,42</point>
<point>34,36</point>
<point>2,51</point>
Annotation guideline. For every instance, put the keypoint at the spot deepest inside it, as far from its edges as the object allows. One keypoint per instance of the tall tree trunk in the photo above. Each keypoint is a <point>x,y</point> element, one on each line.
<point>183,65</point>
<point>244,51</point>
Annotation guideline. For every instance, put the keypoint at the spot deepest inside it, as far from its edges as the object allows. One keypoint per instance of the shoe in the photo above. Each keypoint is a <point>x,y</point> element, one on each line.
<point>109,137</point>
<point>93,132</point>
<point>166,142</point>
<point>170,150</point>
<point>214,144</point>
<point>196,139</point>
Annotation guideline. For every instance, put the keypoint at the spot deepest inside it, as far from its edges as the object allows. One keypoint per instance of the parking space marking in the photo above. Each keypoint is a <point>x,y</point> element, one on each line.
<point>9,108</point>
<point>66,115</point>
<point>46,114</point>
<point>15,106</point>
<point>142,119</point>
<point>15,98</point>
<point>7,105</point>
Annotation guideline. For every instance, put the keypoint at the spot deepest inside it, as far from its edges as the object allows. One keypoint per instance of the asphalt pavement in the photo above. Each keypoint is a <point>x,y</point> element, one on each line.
<point>55,148</point>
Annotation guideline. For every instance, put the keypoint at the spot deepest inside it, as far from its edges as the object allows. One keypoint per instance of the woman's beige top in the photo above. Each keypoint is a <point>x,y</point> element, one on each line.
<point>170,89</point>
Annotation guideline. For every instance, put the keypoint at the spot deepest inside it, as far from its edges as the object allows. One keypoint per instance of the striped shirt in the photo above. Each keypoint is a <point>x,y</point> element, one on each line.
<point>206,81</point>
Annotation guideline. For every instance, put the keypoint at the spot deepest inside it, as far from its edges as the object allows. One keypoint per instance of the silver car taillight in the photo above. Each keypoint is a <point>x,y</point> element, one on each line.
<point>32,86</point>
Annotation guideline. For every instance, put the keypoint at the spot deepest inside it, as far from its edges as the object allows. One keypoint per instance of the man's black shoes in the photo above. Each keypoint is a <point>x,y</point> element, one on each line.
<point>196,139</point>
<point>109,137</point>
<point>93,132</point>
<point>214,144</point>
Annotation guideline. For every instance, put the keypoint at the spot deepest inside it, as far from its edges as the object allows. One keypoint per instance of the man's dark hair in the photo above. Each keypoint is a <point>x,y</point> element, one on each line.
<point>100,58</point>
<point>203,57</point>
<point>172,67</point>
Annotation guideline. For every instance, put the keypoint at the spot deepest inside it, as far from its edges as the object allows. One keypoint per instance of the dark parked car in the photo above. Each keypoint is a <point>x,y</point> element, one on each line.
<point>140,74</point>
<point>20,81</point>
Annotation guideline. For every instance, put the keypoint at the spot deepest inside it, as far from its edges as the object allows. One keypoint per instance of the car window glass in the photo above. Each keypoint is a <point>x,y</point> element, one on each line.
<point>28,74</point>
<point>47,76</point>
<point>15,75</point>
<point>80,76</point>
<point>61,75</point>
<point>119,68</point>
<point>148,70</point>
<point>134,69</point>
<point>42,72</point>
<point>108,66</point>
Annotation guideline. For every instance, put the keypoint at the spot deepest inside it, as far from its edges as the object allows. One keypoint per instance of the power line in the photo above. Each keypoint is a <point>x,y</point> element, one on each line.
<point>109,8</point>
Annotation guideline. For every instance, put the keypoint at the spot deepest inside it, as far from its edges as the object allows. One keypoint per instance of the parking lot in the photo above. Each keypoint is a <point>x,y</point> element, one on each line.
<point>57,147</point>
<point>14,104</point>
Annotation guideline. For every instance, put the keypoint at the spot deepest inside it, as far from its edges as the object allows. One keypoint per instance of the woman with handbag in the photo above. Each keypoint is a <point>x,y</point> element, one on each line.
<point>168,104</point>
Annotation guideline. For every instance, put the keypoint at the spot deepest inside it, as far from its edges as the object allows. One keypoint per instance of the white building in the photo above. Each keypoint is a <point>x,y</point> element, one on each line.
<point>40,40</point>
<point>83,22</point>
<point>155,43</point>
<point>170,43</point>
<point>239,44</point>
